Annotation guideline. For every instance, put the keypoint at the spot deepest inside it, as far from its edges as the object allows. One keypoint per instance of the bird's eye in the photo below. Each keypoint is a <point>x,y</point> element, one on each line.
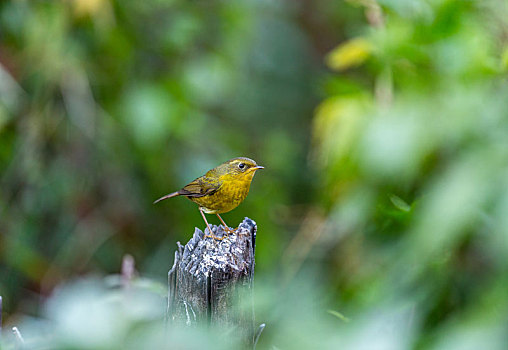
<point>241,165</point>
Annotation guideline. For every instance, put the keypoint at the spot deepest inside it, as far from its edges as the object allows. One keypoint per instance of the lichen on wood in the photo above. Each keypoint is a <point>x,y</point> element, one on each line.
<point>211,280</point>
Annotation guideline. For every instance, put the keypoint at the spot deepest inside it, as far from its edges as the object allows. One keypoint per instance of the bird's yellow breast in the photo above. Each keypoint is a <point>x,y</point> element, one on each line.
<point>230,194</point>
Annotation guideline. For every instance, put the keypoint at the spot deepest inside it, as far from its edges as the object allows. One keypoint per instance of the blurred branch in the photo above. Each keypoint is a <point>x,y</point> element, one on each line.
<point>383,89</point>
<point>258,334</point>
<point>128,270</point>
<point>298,249</point>
<point>20,342</point>
<point>79,101</point>
<point>373,12</point>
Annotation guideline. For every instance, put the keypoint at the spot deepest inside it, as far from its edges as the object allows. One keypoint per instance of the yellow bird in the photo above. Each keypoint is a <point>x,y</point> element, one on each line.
<point>221,189</point>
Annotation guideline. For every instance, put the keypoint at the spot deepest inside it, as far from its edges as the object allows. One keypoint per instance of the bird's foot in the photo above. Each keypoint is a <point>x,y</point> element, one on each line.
<point>215,237</point>
<point>229,230</point>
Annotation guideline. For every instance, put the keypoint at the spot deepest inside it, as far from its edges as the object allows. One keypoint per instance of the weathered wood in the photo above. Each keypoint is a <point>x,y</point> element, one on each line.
<point>211,280</point>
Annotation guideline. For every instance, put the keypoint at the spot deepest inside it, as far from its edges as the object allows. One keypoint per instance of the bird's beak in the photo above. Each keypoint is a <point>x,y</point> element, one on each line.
<point>257,167</point>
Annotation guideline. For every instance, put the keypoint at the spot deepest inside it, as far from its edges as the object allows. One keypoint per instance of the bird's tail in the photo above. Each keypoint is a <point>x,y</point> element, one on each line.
<point>174,194</point>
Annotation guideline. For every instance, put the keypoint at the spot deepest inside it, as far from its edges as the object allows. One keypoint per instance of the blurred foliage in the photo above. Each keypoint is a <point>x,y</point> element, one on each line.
<point>382,215</point>
<point>108,105</point>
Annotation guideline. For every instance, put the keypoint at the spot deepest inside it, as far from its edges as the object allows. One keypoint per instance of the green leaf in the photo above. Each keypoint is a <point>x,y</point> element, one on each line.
<point>399,203</point>
<point>352,53</point>
<point>339,315</point>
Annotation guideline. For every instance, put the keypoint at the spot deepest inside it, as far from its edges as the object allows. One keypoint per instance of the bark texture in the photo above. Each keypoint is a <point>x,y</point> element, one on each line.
<point>211,281</point>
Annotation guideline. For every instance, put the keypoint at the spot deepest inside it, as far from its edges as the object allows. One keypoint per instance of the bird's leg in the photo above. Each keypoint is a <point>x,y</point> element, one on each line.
<point>209,228</point>
<point>226,227</point>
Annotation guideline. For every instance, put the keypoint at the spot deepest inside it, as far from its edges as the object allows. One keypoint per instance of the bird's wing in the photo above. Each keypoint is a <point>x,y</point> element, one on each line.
<point>200,187</point>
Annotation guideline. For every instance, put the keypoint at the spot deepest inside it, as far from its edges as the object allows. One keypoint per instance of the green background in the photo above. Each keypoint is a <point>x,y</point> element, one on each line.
<point>383,128</point>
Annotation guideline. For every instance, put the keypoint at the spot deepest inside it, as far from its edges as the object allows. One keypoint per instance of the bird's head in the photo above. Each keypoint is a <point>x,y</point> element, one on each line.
<point>240,168</point>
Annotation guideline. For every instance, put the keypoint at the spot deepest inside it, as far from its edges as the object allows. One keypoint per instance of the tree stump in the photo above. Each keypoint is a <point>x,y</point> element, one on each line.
<point>211,281</point>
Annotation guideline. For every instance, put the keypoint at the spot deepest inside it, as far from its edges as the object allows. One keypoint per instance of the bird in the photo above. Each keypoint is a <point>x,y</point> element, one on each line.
<point>220,190</point>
